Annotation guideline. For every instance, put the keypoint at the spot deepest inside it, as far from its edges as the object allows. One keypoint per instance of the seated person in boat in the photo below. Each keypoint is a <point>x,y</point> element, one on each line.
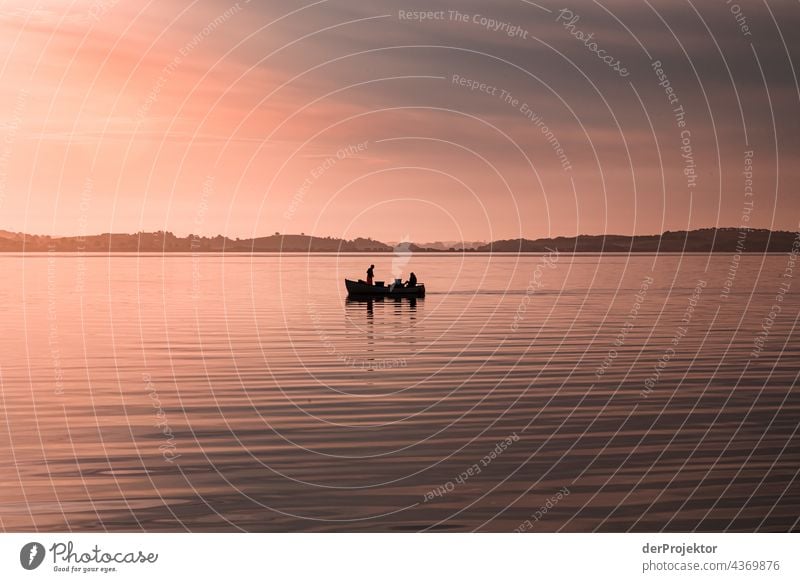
<point>412,280</point>
<point>370,274</point>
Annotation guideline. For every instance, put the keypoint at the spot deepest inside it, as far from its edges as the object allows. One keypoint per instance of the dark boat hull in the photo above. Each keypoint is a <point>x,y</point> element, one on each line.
<point>357,289</point>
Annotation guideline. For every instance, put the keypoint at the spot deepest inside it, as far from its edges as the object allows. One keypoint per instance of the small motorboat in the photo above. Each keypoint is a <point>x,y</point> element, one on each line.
<point>379,289</point>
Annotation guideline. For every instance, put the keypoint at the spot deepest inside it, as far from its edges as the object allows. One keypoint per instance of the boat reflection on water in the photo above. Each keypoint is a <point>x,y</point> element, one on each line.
<point>383,329</point>
<point>402,305</point>
<point>369,301</point>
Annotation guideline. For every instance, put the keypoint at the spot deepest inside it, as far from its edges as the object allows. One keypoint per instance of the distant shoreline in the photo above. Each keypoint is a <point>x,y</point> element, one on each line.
<point>711,240</point>
<point>373,253</point>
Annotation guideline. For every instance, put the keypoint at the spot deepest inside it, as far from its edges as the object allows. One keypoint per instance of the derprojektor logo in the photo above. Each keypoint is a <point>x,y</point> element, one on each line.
<point>31,555</point>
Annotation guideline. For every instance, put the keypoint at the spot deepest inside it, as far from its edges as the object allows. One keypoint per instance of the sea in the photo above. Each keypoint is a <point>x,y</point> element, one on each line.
<point>525,392</point>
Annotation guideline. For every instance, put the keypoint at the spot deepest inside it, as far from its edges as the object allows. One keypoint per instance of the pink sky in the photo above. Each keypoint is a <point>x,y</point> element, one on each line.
<point>223,118</point>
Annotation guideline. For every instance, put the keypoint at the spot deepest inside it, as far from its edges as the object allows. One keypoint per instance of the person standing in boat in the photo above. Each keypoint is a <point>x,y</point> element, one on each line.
<point>370,274</point>
<point>412,280</point>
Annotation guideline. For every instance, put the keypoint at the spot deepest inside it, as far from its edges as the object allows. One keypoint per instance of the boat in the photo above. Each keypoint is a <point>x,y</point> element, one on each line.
<point>362,289</point>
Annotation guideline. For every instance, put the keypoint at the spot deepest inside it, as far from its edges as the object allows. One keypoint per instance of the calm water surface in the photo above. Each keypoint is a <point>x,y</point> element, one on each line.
<point>245,393</point>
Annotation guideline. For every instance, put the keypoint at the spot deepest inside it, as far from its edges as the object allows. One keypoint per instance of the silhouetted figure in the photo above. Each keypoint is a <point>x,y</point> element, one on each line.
<point>412,280</point>
<point>370,274</point>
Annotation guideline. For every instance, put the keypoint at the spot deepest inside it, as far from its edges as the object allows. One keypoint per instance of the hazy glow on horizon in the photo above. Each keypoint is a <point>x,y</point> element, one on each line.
<point>343,118</point>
